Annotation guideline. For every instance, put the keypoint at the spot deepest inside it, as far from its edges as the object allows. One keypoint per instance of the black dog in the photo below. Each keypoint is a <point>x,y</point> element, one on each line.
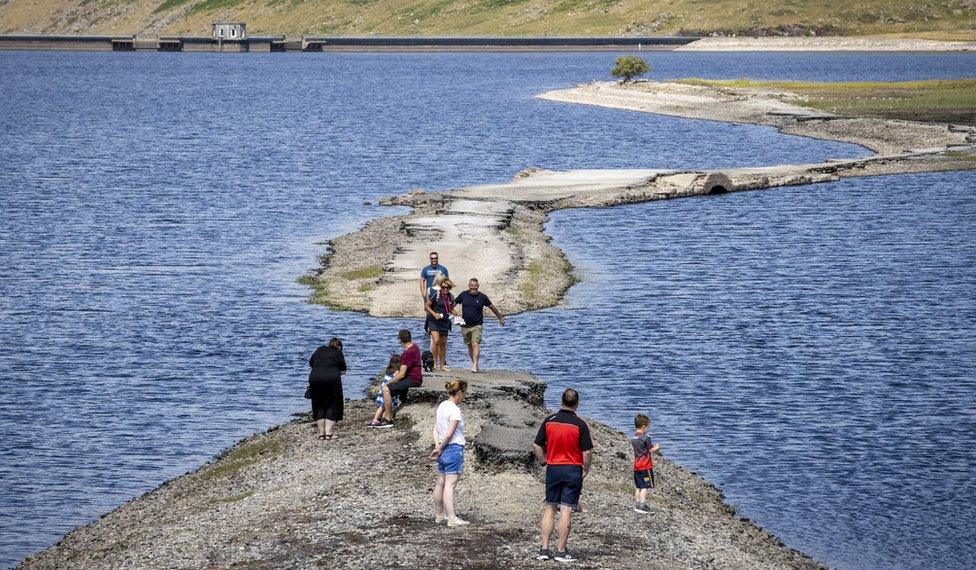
<point>427,358</point>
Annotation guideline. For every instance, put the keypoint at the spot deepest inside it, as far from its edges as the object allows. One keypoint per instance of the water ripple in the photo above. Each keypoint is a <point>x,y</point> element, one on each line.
<point>808,349</point>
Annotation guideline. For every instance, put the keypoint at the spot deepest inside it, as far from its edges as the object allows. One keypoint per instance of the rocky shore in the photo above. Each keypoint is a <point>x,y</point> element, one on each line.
<point>495,232</point>
<point>286,499</point>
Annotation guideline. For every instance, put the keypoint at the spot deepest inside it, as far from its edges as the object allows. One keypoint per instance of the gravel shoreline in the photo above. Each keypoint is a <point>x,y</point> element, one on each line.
<point>285,499</point>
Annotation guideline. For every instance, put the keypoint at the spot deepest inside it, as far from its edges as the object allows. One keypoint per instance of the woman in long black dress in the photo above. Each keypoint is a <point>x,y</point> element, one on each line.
<point>325,383</point>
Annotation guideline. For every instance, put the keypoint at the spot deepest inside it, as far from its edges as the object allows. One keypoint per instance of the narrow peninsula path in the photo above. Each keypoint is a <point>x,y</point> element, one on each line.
<point>284,499</point>
<point>495,232</point>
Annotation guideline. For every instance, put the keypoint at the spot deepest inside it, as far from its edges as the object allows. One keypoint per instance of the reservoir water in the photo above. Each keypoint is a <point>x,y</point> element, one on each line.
<point>811,350</point>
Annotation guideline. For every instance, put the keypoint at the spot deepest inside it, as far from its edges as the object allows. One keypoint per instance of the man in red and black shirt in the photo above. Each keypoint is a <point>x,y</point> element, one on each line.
<point>564,446</point>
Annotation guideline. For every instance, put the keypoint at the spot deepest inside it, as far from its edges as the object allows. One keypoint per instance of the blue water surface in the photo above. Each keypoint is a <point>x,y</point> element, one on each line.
<point>808,349</point>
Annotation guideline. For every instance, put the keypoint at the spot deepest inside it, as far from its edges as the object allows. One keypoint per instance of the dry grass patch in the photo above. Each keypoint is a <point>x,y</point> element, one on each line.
<point>942,100</point>
<point>371,272</point>
<point>245,454</point>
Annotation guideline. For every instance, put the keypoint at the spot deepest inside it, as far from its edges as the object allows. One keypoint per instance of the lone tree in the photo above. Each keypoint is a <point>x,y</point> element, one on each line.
<point>629,67</point>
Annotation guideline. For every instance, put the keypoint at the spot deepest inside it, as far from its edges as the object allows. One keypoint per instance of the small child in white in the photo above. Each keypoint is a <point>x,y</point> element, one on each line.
<point>643,463</point>
<point>391,369</point>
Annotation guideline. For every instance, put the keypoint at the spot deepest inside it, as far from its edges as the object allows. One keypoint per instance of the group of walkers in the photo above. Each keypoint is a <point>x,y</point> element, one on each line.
<point>563,443</point>
<point>441,308</point>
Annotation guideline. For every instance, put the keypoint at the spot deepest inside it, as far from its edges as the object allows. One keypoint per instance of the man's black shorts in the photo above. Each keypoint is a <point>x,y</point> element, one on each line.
<point>564,484</point>
<point>644,479</point>
<point>399,389</point>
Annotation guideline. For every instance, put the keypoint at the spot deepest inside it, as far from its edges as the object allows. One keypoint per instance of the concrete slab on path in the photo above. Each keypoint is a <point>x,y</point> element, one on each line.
<point>547,186</point>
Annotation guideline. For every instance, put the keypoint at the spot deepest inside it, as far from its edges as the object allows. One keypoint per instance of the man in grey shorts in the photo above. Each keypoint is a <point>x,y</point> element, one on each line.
<point>473,303</point>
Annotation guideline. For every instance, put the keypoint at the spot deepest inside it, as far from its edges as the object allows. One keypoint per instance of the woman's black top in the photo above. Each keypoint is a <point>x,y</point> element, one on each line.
<point>438,305</point>
<point>327,363</point>
<point>442,325</point>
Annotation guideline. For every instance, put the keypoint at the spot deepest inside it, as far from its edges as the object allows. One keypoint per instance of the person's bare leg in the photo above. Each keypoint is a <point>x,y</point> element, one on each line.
<point>439,496</point>
<point>450,481</point>
<point>329,424</point>
<point>471,356</point>
<point>563,530</point>
<point>387,404</point>
<point>636,495</point>
<point>548,521</point>
<point>443,343</point>
<point>475,355</point>
<point>435,346</point>
<point>643,496</point>
<point>379,413</point>
<point>321,425</point>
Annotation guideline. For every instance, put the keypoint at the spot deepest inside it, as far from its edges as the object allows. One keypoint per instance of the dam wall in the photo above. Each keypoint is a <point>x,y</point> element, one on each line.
<point>329,43</point>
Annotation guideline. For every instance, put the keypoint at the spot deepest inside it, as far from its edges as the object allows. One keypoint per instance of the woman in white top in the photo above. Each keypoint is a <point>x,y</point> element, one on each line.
<point>449,452</point>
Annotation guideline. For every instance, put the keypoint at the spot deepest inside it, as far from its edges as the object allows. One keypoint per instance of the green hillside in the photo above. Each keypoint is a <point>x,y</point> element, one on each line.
<point>935,19</point>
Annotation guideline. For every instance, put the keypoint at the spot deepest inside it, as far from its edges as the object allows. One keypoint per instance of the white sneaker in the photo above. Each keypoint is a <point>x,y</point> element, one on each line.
<point>439,518</point>
<point>457,522</point>
<point>564,557</point>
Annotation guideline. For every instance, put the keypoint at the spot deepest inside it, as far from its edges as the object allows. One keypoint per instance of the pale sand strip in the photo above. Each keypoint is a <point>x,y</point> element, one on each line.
<point>826,43</point>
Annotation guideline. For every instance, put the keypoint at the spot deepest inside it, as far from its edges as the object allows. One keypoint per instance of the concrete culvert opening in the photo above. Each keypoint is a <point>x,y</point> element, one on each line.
<point>716,183</point>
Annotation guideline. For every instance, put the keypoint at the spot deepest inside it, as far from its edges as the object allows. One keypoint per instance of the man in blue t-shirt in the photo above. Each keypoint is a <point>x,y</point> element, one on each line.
<point>473,303</point>
<point>428,274</point>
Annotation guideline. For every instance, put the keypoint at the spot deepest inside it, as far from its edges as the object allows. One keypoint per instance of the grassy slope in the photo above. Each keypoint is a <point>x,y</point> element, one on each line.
<point>950,101</point>
<point>953,19</point>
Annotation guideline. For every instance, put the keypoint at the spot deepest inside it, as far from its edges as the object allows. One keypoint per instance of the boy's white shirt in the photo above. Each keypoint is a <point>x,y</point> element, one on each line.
<point>447,412</point>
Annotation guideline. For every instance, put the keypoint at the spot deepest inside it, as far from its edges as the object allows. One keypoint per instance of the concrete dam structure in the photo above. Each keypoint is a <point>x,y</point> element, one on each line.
<point>327,43</point>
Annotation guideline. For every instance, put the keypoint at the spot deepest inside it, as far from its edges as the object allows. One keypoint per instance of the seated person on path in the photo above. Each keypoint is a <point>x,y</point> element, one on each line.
<point>439,306</point>
<point>448,450</point>
<point>408,376</point>
<point>428,274</point>
<point>643,462</point>
<point>473,303</point>
<point>391,369</point>
<point>564,446</point>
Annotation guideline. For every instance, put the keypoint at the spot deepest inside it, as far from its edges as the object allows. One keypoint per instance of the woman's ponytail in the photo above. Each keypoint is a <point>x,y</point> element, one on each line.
<point>455,386</point>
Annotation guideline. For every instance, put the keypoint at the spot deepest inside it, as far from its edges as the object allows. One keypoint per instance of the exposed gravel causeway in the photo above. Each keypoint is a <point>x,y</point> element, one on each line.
<point>284,499</point>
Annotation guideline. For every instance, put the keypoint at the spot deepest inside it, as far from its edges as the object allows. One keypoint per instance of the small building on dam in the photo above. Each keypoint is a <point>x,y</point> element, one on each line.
<point>228,30</point>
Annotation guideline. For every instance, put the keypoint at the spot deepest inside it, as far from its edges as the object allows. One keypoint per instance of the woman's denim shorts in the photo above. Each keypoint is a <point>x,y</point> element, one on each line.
<point>451,460</point>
